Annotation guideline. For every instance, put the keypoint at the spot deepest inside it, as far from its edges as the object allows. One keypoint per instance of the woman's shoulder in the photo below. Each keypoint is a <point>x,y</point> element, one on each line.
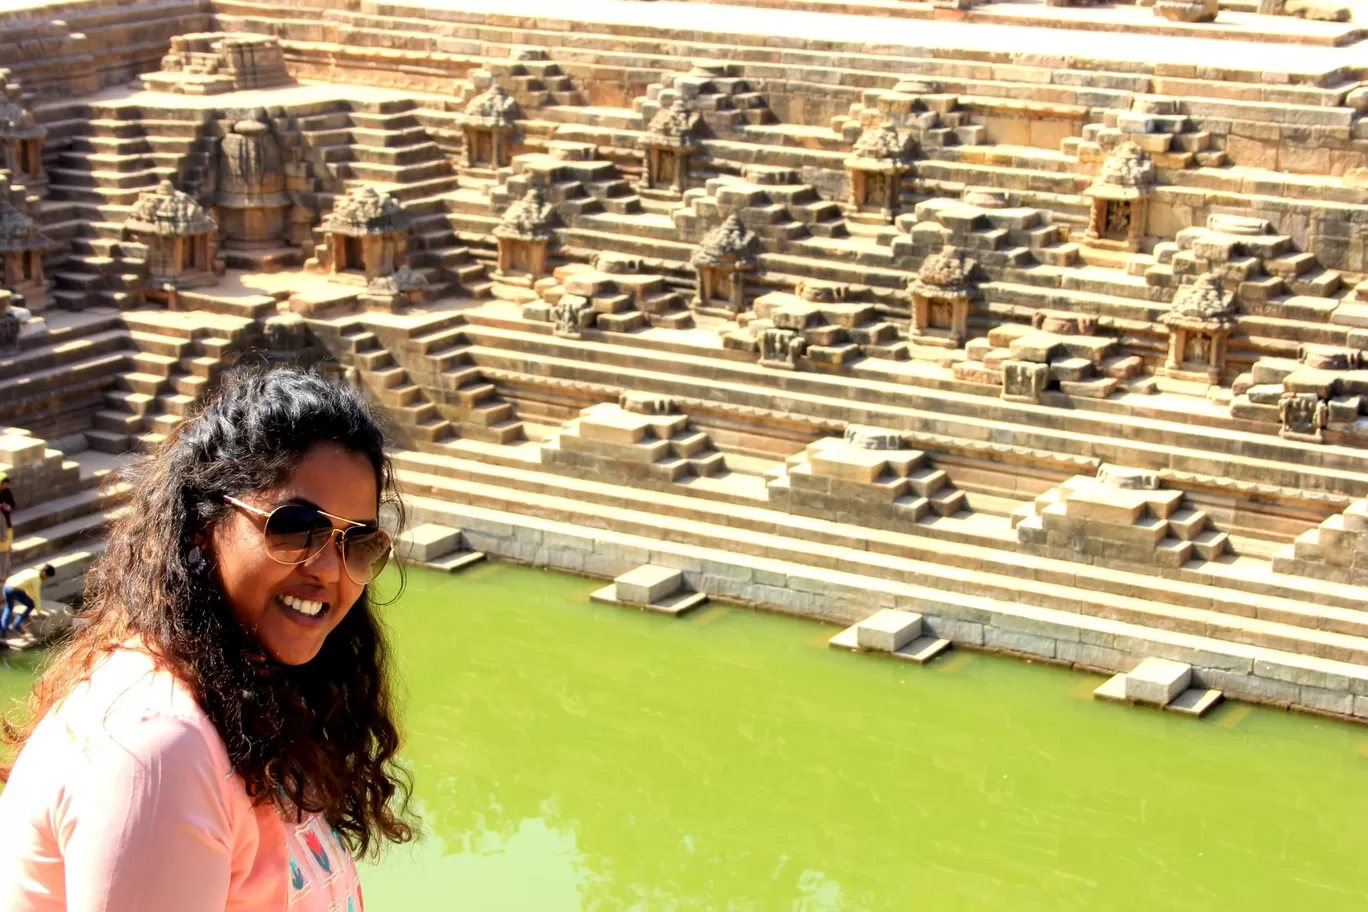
<point>132,698</point>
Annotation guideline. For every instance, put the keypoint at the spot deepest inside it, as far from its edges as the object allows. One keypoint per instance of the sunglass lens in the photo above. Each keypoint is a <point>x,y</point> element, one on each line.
<point>294,534</point>
<point>367,552</point>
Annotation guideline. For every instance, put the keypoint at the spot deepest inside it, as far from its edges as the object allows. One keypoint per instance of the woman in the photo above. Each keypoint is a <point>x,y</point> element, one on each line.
<point>219,734</point>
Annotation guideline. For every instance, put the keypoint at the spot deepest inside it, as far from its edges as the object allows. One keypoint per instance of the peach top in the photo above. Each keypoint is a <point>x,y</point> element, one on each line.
<point>124,800</point>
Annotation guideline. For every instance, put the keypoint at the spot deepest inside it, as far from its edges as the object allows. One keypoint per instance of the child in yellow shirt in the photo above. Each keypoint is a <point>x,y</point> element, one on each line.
<point>24,588</point>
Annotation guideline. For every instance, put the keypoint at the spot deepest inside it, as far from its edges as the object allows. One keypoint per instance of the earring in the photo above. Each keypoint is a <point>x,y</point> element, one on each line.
<point>197,562</point>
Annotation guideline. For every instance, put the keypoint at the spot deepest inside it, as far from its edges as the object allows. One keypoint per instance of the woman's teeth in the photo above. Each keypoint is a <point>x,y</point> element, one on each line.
<point>303,606</point>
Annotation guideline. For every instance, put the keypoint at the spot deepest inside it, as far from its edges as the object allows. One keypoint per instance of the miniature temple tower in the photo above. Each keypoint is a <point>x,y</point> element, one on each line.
<point>22,246</point>
<point>670,140</point>
<point>181,241</point>
<point>721,263</point>
<point>21,139</point>
<point>488,126</point>
<point>941,295</point>
<point>523,235</point>
<point>876,167</point>
<point>1202,316</point>
<point>1120,199</point>
<point>365,235</point>
<point>251,203</point>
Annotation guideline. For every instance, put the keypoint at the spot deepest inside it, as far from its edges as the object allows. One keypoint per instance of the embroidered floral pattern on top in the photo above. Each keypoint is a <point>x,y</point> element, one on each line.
<point>322,875</point>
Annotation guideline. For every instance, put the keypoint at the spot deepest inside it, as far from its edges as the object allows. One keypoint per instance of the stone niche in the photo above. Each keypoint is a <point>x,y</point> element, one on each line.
<point>524,232</point>
<point>1120,199</point>
<point>723,259</point>
<point>365,243</point>
<point>1199,324</point>
<point>876,167</point>
<point>670,139</point>
<point>22,246</point>
<point>21,139</point>
<point>212,63</point>
<point>488,125</point>
<point>251,205</point>
<point>941,296</point>
<point>181,242</point>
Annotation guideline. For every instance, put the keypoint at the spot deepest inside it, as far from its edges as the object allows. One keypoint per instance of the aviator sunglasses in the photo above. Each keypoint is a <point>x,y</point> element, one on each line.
<point>296,534</point>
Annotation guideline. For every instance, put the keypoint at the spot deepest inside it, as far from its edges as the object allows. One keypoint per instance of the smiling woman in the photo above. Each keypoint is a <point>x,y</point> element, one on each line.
<point>230,684</point>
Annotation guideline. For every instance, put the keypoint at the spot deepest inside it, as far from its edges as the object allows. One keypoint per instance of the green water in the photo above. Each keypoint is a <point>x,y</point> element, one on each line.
<point>576,756</point>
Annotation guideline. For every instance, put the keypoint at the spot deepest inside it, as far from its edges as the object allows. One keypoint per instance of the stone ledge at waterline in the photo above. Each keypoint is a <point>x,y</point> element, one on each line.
<point>1095,644</point>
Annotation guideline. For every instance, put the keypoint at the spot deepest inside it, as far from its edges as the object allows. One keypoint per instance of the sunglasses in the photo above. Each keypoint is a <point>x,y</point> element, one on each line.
<point>296,534</point>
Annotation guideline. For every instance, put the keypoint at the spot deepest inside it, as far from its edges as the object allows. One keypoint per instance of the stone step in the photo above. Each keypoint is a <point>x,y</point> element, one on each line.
<point>641,513</point>
<point>34,519</point>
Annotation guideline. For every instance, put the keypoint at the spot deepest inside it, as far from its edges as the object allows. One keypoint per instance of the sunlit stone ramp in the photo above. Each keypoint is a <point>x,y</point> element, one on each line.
<point>1162,683</point>
<point>436,547</point>
<point>652,588</point>
<point>898,633</point>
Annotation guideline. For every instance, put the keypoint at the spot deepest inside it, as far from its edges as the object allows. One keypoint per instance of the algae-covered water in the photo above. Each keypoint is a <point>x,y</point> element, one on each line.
<point>575,756</point>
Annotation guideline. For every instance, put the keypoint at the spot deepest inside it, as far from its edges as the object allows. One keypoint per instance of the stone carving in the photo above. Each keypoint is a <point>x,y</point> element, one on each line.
<point>941,295</point>
<point>617,264</point>
<point>872,438</point>
<point>22,245</point>
<point>669,141</point>
<point>180,238</point>
<point>251,202</point>
<point>876,167</point>
<point>10,324</point>
<point>1199,323</point>
<point>1304,417</point>
<point>1329,357</point>
<point>1064,323</point>
<point>1126,478</point>
<point>721,262</point>
<point>647,404</point>
<point>780,348</point>
<point>571,315</point>
<point>285,332</point>
<point>1120,198</point>
<point>1187,10</point>
<point>1024,381</point>
<point>488,125</point>
<point>21,138</point>
<point>212,63</point>
<point>523,234</point>
<point>365,241</point>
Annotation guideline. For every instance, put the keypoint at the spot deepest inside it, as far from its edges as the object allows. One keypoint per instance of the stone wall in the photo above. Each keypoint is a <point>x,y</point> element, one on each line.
<point>1058,637</point>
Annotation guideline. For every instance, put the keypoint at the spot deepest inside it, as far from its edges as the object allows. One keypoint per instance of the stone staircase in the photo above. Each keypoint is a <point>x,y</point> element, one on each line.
<point>717,89</point>
<point>108,154</point>
<point>177,359</point>
<point>65,503</point>
<point>1210,613</point>
<point>655,448</point>
<point>54,382</point>
<point>567,177</point>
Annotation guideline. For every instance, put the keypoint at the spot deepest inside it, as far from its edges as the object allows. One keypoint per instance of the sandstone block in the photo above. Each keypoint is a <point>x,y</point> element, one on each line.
<point>888,629</point>
<point>427,542</point>
<point>850,464</point>
<point>1158,681</point>
<point>20,449</point>
<point>647,584</point>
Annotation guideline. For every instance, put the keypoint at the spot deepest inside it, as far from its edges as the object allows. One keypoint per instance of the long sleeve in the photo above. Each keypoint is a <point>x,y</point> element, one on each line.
<point>144,827</point>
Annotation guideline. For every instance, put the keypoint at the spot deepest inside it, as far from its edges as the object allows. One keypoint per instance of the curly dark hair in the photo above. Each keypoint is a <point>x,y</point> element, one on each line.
<point>318,738</point>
